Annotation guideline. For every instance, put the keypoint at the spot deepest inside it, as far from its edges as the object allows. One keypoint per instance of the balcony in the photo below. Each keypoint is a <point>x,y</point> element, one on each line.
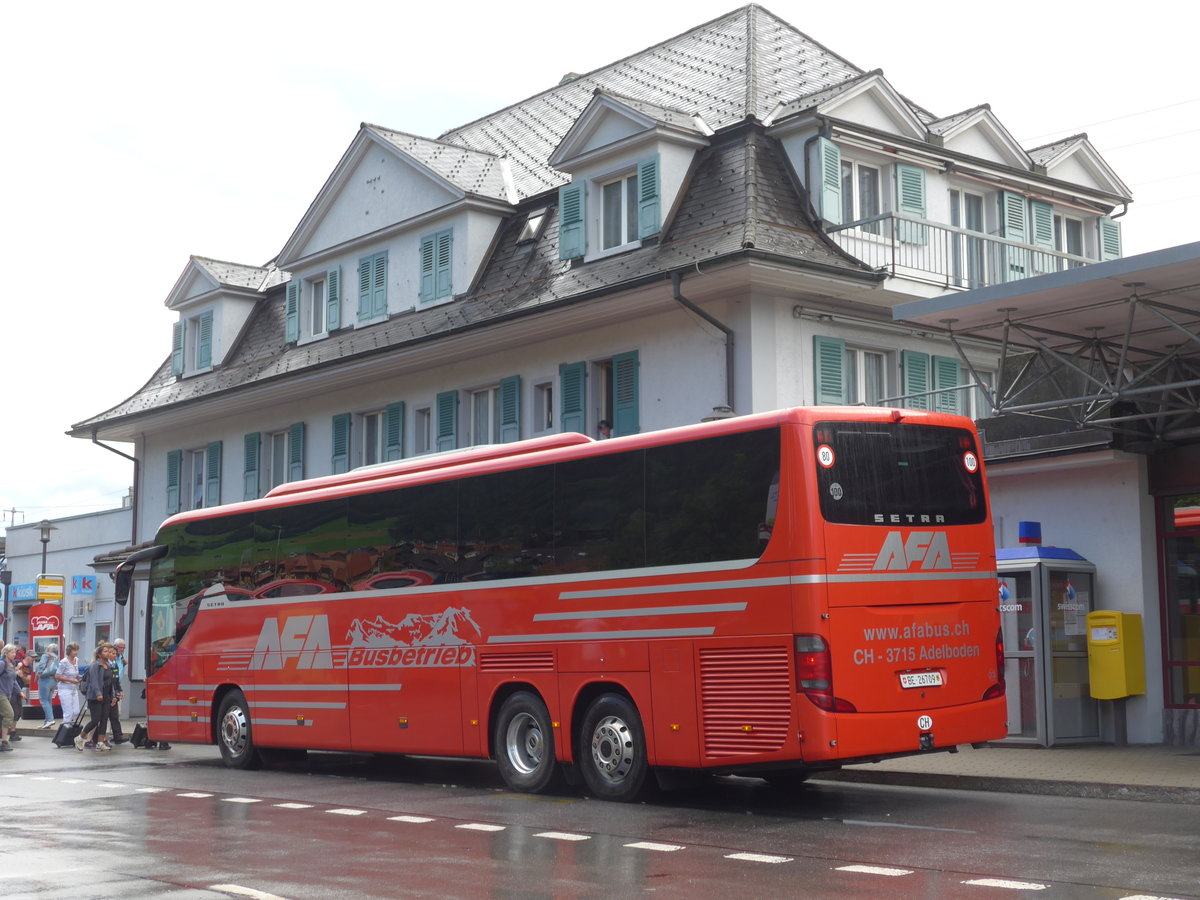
<point>944,255</point>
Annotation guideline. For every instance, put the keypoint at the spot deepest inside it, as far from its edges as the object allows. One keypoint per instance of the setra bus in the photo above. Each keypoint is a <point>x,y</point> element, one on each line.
<point>773,594</point>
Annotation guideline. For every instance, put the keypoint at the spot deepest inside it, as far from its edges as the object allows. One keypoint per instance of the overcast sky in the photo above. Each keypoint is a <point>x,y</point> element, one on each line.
<point>137,134</point>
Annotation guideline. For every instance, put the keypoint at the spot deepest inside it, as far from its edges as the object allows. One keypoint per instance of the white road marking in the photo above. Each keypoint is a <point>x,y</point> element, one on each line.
<point>238,891</point>
<point>13,775</point>
<point>478,826</point>
<point>40,778</point>
<point>294,805</point>
<point>346,812</point>
<point>563,836</point>
<point>759,857</point>
<point>240,800</point>
<point>79,781</point>
<point>1147,897</point>
<point>413,820</point>
<point>875,870</point>
<point>110,784</point>
<point>651,845</point>
<point>149,790</point>
<point>1007,885</point>
<point>196,794</point>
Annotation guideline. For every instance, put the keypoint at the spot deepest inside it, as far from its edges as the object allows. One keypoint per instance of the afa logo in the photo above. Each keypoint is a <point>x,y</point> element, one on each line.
<point>416,642</point>
<point>929,548</point>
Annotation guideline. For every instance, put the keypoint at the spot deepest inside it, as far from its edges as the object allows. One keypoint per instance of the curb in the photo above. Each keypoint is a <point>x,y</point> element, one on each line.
<point>1085,789</point>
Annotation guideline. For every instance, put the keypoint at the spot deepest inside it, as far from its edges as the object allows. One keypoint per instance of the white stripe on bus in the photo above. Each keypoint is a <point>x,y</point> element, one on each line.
<point>600,635</point>
<point>645,611</point>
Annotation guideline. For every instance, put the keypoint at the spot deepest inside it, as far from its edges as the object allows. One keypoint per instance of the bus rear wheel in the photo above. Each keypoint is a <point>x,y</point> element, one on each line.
<point>524,743</point>
<point>612,749</point>
<point>234,735</point>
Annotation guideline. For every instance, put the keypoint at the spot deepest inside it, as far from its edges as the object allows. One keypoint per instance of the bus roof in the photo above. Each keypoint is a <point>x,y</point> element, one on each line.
<point>551,449</point>
<point>431,461</point>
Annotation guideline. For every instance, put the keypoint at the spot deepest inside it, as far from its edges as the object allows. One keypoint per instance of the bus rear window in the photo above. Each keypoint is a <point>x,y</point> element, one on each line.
<point>894,473</point>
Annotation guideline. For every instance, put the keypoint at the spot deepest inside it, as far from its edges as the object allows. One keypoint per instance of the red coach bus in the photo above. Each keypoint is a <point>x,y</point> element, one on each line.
<point>774,594</point>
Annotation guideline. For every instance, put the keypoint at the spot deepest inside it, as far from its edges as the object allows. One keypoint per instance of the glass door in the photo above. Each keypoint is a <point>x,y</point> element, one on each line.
<point>1073,712</point>
<point>1019,622</point>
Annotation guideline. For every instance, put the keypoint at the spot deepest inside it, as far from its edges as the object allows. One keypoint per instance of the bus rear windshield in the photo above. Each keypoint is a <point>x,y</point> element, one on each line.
<point>895,473</point>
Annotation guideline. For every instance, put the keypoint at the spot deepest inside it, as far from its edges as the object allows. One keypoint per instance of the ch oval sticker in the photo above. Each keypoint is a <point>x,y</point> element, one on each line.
<point>925,723</point>
<point>970,461</point>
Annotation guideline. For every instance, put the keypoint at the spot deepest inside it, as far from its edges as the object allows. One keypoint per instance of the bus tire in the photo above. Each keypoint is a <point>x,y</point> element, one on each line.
<point>524,743</point>
<point>612,749</point>
<point>787,779</point>
<point>234,735</point>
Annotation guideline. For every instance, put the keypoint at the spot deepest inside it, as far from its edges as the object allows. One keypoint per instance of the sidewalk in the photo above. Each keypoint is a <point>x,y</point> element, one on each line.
<point>1151,772</point>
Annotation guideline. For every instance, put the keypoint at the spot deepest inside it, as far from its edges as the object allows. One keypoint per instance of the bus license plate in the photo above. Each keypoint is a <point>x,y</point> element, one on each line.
<point>920,679</point>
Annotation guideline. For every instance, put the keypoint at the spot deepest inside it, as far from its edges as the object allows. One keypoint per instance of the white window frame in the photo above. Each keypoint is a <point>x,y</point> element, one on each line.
<point>859,363</point>
<point>628,178</point>
<point>275,459</point>
<point>423,441</point>
<point>192,478</point>
<point>852,200</point>
<point>543,407</point>
<point>969,254</point>
<point>485,416</point>
<point>1062,242</point>
<point>372,437</point>
<point>313,308</point>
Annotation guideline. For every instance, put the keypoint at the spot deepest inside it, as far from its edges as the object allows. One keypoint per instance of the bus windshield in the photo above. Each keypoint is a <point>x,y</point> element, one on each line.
<point>888,473</point>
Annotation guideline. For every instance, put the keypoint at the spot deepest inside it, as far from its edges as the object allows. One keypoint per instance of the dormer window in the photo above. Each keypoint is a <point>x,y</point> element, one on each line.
<point>619,212</point>
<point>313,306</point>
<point>192,344</point>
<point>860,194</point>
<point>316,306</point>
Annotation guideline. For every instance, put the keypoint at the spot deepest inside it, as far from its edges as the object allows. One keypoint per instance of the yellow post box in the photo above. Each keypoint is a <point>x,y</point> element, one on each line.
<point>1116,660</point>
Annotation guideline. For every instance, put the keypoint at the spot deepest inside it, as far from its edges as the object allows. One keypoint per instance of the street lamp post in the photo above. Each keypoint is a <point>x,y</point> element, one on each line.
<point>44,527</point>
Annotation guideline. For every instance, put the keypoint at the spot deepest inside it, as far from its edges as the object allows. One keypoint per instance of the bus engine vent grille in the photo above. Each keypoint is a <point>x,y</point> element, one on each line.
<point>745,699</point>
<point>530,661</point>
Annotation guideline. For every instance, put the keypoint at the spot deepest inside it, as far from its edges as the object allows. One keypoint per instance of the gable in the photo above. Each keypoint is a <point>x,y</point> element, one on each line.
<point>1073,169</point>
<point>982,144</point>
<point>980,134</point>
<point>374,189</point>
<point>868,109</point>
<point>192,287</point>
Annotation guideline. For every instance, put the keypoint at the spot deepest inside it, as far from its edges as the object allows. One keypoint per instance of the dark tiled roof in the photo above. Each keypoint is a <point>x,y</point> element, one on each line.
<point>1045,153</point>
<point>481,174</point>
<point>742,196</point>
<point>738,66</point>
<point>229,274</point>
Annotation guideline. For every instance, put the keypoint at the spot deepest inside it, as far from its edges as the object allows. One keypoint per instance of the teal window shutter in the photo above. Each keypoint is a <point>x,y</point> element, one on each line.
<point>1016,228</point>
<point>291,312</point>
<point>916,379</point>
<point>393,428</point>
<point>829,377</point>
<point>174,471</point>
<point>447,420</point>
<point>177,349</point>
<point>427,269</point>
<point>945,375</point>
<point>829,181</point>
<point>572,235</point>
<point>625,394</point>
<point>510,409</point>
<point>1110,238</point>
<point>333,299</point>
<point>364,288</point>
<point>296,452</point>
<point>204,329</point>
<point>573,378</point>
<point>444,263</point>
<point>379,285</point>
<point>212,474</point>
<point>1042,216</point>
<point>910,201</point>
<point>649,198</point>
<point>341,443</point>
<point>251,445</point>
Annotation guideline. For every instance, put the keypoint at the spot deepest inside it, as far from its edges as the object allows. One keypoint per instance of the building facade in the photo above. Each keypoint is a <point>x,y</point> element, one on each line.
<point>722,222</point>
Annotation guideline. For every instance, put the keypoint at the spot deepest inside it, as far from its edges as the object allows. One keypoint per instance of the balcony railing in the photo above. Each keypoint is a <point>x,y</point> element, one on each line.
<point>946,255</point>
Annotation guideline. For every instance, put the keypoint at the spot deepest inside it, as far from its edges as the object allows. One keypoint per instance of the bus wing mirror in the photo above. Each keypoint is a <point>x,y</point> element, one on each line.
<point>122,576</point>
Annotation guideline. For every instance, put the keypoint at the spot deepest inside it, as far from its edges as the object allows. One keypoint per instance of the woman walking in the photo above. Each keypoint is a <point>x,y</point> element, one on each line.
<point>67,677</point>
<point>47,683</point>
<point>99,698</point>
<point>8,678</point>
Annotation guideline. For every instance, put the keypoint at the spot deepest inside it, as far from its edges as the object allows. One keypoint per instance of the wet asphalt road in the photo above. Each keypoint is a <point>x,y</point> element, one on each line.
<point>138,823</point>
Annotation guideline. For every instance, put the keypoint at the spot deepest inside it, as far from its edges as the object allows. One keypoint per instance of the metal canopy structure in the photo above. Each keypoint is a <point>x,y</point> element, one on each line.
<point>1114,345</point>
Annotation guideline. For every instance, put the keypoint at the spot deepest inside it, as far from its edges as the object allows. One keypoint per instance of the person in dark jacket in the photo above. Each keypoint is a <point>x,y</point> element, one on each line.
<point>8,678</point>
<point>99,700</point>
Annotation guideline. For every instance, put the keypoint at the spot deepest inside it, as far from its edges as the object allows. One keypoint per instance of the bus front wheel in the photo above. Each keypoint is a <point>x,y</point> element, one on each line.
<point>233,732</point>
<point>524,743</point>
<point>612,751</point>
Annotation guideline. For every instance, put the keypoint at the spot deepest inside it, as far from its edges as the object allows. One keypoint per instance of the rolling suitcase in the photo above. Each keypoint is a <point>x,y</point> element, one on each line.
<point>68,731</point>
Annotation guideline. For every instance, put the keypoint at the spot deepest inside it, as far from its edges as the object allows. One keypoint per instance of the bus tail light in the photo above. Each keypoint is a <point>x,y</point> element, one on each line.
<point>997,689</point>
<point>814,674</point>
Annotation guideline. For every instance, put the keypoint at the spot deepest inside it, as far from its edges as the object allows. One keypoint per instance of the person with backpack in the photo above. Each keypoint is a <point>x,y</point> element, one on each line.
<point>97,690</point>
<point>45,670</point>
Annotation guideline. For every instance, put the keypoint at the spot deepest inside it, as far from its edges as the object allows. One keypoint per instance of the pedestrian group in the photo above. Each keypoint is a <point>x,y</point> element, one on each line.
<point>92,687</point>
